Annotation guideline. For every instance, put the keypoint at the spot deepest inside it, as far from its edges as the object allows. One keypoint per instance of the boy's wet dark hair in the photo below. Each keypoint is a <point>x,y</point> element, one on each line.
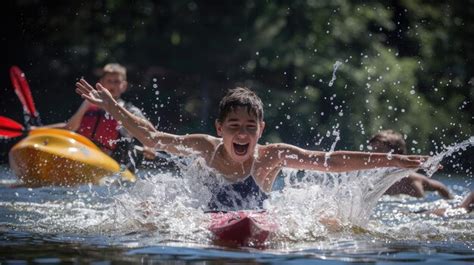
<point>240,97</point>
<point>389,140</point>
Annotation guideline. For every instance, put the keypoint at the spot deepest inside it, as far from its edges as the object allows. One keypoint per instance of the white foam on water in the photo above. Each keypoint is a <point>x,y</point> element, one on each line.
<point>169,207</point>
<point>310,198</point>
<point>398,218</point>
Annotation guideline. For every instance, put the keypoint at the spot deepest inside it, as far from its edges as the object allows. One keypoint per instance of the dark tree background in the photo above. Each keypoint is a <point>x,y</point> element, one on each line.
<point>405,65</point>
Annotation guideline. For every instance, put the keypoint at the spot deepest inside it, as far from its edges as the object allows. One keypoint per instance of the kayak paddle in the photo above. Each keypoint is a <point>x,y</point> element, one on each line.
<point>22,90</point>
<point>10,128</point>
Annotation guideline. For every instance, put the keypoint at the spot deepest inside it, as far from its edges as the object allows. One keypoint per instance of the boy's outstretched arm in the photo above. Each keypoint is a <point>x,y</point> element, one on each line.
<point>141,128</point>
<point>340,161</point>
<point>100,96</point>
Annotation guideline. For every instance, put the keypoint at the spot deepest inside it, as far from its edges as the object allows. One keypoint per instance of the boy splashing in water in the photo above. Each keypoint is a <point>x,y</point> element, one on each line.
<point>249,168</point>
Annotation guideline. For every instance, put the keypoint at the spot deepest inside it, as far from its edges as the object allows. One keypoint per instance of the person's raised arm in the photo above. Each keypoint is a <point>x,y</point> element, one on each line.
<point>141,128</point>
<point>432,185</point>
<point>75,121</point>
<point>339,161</point>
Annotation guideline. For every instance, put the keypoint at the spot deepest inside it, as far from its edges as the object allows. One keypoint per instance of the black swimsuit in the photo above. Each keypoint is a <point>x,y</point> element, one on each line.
<point>242,195</point>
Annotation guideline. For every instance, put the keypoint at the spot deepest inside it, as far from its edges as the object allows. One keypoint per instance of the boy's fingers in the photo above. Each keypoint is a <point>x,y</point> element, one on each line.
<point>421,159</point>
<point>85,96</point>
<point>81,90</point>
<point>85,90</point>
<point>81,87</point>
<point>417,161</point>
<point>78,91</point>
<point>83,82</point>
<point>90,98</point>
<point>99,87</point>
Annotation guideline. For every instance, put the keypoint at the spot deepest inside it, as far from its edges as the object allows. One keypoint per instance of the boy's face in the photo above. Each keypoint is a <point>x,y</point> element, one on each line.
<point>115,83</point>
<point>240,132</point>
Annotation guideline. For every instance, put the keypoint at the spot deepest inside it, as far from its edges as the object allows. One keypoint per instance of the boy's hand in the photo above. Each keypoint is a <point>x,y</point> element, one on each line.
<point>99,96</point>
<point>410,161</point>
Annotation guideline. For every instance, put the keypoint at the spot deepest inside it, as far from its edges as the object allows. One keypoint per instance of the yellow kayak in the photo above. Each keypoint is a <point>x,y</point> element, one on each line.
<point>60,157</point>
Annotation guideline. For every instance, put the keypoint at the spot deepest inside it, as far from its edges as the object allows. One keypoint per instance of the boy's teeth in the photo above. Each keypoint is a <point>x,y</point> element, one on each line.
<point>240,149</point>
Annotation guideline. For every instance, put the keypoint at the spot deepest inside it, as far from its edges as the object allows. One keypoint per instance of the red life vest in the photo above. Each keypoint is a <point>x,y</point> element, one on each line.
<point>102,130</point>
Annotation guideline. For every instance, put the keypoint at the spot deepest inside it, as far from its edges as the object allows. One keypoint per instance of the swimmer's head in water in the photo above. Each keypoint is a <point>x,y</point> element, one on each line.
<point>388,141</point>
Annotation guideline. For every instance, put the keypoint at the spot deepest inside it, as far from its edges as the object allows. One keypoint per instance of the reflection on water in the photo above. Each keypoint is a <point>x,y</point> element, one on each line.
<point>161,217</point>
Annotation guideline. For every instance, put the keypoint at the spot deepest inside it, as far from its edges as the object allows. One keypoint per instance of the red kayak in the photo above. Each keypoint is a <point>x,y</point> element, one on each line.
<point>247,228</point>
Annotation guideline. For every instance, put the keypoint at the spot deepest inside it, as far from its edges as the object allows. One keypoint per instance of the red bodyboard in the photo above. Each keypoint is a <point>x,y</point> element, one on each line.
<point>247,228</point>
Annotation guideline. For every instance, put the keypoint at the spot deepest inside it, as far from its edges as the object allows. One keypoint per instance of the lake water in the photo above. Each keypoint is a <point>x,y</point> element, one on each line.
<point>159,220</point>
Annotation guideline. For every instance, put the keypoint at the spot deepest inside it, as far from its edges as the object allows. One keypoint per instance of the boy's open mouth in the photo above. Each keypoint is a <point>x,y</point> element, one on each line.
<point>241,149</point>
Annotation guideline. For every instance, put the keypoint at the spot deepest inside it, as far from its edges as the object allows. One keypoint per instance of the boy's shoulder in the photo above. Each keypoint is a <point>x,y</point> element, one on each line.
<point>203,142</point>
<point>273,148</point>
<point>204,137</point>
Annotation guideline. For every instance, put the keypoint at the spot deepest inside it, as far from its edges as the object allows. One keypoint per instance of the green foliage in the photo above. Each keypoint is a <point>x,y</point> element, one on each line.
<point>405,65</point>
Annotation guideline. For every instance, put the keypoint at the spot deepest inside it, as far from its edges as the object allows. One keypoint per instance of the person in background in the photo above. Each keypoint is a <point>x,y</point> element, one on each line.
<point>415,184</point>
<point>100,127</point>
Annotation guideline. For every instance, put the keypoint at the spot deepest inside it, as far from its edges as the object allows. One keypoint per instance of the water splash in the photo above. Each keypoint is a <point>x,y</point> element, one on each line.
<point>335,67</point>
<point>349,197</point>
<point>169,206</point>
<point>432,164</point>
<point>337,134</point>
